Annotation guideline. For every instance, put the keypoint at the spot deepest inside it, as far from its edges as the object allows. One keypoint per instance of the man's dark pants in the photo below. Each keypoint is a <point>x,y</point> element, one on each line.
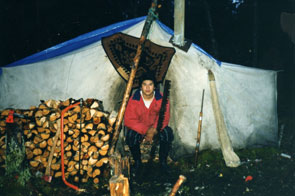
<point>133,140</point>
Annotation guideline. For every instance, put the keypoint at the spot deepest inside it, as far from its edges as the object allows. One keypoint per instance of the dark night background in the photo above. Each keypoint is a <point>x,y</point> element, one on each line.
<point>246,32</point>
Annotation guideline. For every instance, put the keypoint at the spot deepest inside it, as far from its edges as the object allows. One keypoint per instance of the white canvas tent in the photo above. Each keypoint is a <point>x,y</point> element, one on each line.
<point>80,68</point>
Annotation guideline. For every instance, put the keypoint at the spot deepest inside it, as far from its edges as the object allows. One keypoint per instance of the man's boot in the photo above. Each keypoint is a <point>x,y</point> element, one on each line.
<point>135,151</point>
<point>163,154</point>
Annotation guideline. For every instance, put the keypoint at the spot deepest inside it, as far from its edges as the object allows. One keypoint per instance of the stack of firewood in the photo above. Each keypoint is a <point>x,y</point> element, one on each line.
<point>87,133</point>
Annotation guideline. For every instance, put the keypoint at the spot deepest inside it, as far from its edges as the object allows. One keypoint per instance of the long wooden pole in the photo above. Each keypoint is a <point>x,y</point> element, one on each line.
<point>149,20</point>
<point>55,139</point>
<point>199,129</point>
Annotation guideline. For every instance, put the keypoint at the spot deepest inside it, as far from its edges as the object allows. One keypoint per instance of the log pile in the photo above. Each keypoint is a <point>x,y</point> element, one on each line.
<point>87,135</point>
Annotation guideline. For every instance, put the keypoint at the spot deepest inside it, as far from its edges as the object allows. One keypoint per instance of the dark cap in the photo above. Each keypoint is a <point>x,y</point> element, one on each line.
<point>148,76</point>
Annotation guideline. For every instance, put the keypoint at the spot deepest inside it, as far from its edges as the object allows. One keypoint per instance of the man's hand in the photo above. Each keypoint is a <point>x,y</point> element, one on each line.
<point>150,134</point>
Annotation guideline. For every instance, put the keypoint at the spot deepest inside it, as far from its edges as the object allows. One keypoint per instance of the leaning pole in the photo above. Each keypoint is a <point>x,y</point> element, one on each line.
<point>152,15</point>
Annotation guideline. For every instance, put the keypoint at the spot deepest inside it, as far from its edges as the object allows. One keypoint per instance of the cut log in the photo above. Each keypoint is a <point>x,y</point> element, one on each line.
<point>74,172</point>
<point>110,129</point>
<point>91,150</point>
<point>102,161</point>
<point>96,120</point>
<point>69,139</point>
<point>77,109</point>
<point>58,174</point>
<point>84,138</point>
<point>92,132</point>
<point>84,162</point>
<point>92,161</point>
<point>95,173</point>
<point>34,163</point>
<point>46,153</point>
<point>52,103</point>
<point>92,112</point>
<point>85,110</point>
<point>89,126</point>
<point>31,125</point>
<point>68,147</point>
<point>112,118</point>
<point>105,138</point>
<point>52,117</point>
<point>5,112</point>
<point>84,130</point>
<point>42,106</point>
<point>35,132</point>
<point>80,126</point>
<point>89,172</point>
<point>45,111</point>
<point>43,144</point>
<point>45,136</point>
<point>37,139</point>
<point>73,118</point>
<point>99,143</point>
<point>84,180</point>
<point>101,132</point>
<point>95,155</point>
<point>88,116</point>
<point>94,105</point>
<point>40,121</point>
<point>66,103</point>
<point>40,130</point>
<point>96,180</point>
<point>55,166</point>
<point>50,142</point>
<point>45,124</point>
<point>105,147</point>
<point>119,185</point>
<point>76,179</point>
<point>37,158</point>
<point>2,123</point>
<point>39,114</point>
<point>29,154</point>
<point>103,152</point>
<point>70,168</point>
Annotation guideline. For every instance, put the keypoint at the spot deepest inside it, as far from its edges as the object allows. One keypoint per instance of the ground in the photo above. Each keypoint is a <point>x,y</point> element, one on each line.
<point>264,172</point>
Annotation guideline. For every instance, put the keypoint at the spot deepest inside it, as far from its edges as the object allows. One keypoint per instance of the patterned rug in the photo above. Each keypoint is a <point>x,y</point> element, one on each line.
<point>121,50</point>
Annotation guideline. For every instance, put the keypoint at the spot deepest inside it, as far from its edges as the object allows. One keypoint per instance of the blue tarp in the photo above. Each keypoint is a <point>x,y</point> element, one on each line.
<point>89,38</point>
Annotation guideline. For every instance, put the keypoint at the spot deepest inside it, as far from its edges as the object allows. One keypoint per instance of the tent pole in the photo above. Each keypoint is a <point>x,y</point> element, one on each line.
<point>230,157</point>
<point>179,15</point>
<point>149,20</point>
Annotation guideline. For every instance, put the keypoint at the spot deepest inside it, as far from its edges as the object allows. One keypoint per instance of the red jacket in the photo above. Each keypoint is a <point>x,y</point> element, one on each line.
<point>140,118</point>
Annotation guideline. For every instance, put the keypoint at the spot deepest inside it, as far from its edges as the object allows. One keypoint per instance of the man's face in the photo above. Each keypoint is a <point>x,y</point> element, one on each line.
<point>148,88</point>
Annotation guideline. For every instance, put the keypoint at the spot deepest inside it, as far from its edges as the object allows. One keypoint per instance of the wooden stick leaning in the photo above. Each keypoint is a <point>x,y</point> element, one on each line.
<point>149,20</point>
<point>199,129</point>
<point>119,184</point>
<point>55,139</point>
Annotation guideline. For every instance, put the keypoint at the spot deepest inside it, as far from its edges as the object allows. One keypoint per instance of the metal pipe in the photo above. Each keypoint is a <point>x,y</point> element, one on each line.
<point>179,15</point>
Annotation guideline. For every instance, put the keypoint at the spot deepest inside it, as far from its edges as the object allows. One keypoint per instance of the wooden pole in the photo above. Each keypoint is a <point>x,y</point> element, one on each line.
<point>55,139</point>
<point>176,186</point>
<point>199,129</point>
<point>149,20</point>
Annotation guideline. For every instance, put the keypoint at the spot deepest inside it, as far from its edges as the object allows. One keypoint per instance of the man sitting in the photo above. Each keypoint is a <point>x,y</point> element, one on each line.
<point>141,119</point>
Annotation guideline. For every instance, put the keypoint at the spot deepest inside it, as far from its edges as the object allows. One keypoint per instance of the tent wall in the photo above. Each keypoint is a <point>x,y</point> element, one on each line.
<point>247,96</point>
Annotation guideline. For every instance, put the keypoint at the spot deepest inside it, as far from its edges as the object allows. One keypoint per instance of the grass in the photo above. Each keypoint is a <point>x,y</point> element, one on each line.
<point>272,175</point>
